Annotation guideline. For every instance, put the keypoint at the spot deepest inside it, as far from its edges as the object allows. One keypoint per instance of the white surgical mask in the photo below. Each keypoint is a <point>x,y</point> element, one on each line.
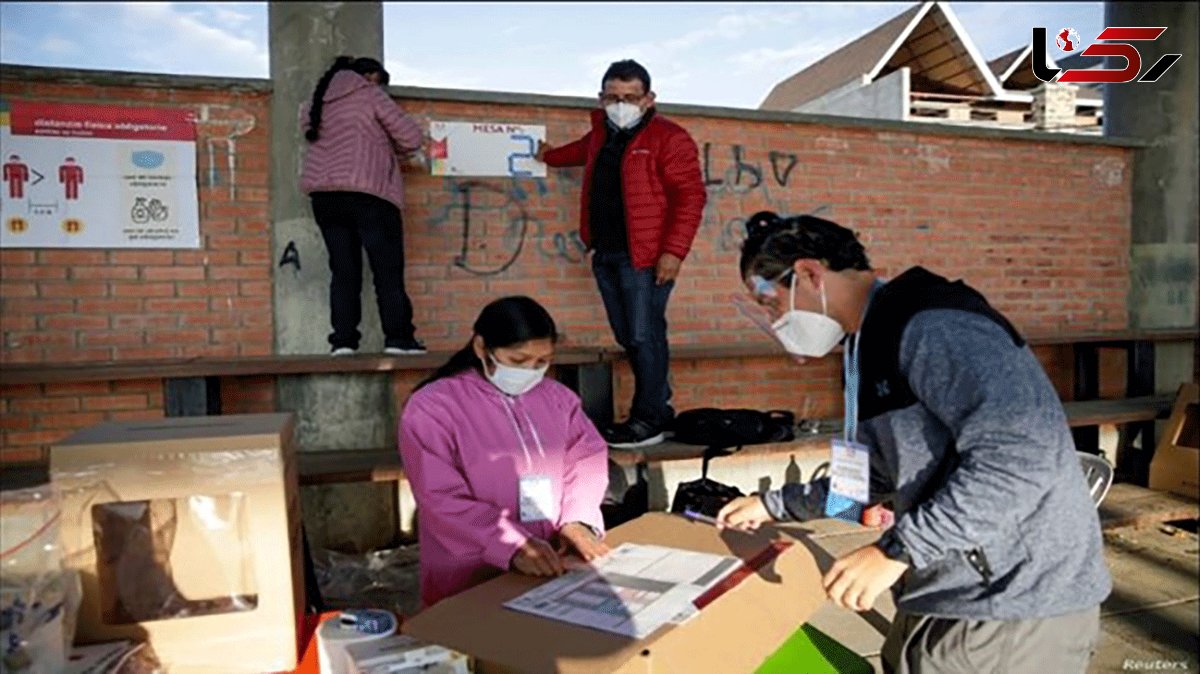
<point>807,333</point>
<point>514,380</point>
<point>624,115</point>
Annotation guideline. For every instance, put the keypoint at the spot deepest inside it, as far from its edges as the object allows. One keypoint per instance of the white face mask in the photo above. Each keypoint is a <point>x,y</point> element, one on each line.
<point>514,380</point>
<point>624,115</point>
<point>807,333</point>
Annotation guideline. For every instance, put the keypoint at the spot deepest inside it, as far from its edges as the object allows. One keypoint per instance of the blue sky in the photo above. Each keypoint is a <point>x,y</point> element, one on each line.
<point>727,54</point>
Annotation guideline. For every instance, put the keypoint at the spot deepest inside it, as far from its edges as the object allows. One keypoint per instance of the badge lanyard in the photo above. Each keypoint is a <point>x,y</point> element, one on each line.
<point>839,505</point>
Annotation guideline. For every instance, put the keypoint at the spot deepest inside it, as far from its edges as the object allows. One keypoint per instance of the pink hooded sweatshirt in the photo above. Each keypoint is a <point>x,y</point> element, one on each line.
<point>465,446</point>
<point>362,131</point>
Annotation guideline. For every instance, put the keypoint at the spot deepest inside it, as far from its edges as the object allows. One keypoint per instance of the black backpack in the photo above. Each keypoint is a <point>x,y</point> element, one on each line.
<point>713,427</point>
<point>720,431</point>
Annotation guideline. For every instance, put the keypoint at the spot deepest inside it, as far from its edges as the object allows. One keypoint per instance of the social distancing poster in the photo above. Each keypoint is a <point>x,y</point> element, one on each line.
<point>97,176</point>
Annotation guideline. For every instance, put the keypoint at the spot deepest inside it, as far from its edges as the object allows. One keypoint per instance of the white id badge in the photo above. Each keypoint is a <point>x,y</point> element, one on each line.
<point>850,471</point>
<point>537,498</point>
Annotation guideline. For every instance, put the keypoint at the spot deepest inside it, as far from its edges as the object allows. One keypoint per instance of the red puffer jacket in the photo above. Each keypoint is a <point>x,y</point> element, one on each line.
<point>661,183</point>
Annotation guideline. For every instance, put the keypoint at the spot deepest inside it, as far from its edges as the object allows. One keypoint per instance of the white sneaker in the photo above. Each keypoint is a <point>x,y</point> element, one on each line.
<point>344,351</point>
<point>397,351</point>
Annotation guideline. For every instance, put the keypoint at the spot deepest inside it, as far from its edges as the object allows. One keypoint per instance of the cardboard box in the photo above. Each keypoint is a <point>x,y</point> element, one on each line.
<point>736,632</point>
<point>1176,463</point>
<point>186,533</point>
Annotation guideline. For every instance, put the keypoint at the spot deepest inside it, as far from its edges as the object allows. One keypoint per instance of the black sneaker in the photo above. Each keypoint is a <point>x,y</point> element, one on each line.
<point>408,347</point>
<point>632,434</point>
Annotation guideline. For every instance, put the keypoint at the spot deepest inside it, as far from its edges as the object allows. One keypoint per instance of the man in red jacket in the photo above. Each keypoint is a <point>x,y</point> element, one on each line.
<point>642,201</point>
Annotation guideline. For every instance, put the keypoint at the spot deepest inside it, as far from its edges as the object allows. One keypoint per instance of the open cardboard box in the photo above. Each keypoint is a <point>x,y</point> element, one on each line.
<point>736,632</point>
<point>186,534</point>
<point>1176,463</point>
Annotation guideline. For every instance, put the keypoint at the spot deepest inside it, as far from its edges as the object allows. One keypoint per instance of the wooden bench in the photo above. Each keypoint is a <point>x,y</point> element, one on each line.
<point>191,386</point>
<point>383,464</point>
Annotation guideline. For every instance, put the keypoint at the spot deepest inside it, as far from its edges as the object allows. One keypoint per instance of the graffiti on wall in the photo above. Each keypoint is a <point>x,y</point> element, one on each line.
<point>221,126</point>
<point>497,220</point>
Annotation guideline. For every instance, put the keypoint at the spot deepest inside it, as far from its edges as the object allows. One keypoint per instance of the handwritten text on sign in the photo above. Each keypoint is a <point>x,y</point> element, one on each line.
<point>485,149</point>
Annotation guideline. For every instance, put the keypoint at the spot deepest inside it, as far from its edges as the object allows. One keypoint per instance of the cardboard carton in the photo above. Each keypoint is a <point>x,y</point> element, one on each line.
<point>753,613</point>
<point>1176,464</point>
<point>186,533</point>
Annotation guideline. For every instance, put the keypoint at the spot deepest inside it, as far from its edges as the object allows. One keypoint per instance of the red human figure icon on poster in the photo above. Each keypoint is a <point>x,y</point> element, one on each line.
<point>70,175</point>
<point>16,174</point>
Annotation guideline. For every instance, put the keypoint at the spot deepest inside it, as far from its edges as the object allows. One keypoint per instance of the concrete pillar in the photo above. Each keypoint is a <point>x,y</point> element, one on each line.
<point>1054,106</point>
<point>1163,262</point>
<point>334,411</point>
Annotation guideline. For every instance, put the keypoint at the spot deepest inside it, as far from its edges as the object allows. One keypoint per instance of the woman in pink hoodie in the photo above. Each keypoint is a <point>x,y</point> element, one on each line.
<point>507,471</point>
<point>352,172</point>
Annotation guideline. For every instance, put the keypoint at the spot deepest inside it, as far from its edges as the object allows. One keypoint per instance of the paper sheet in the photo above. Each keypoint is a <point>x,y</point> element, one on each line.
<point>632,591</point>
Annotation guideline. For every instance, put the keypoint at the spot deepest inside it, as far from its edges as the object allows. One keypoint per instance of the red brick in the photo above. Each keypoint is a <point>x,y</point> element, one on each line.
<point>78,388</point>
<point>11,257</point>
<point>136,415</point>
<point>45,405</point>
<point>206,289</point>
<point>143,289</point>
<point>145,322</point>
<point>125,306</point>
<point>18,306</point>
<point>255,288</point>
<point>240,273</point>
<point>17,289</point>
<point>175,306</point>
<point>146,352</point>
<point>190,336</point>
<point>31,273</point>
<point>72,289</point>
<point>143,257</point>
<point>70,420</point>
<point>235,210</point>
<point>35,438</point>
<point>116,402</point>
<point>185,273</point>
<point>75,354</point>
<point>121,338</point>
<point>105,273</point>
<point>75,322</point>
<point>71,258</point>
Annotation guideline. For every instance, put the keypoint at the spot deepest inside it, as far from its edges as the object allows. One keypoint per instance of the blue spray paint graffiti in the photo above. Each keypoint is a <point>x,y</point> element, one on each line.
<point>494,216</point>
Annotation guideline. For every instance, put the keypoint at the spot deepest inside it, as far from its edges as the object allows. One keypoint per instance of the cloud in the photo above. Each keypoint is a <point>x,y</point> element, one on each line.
<point>727,27</point>
<point>409,76</point>
<point>52,44</point>
<point>167,39</point>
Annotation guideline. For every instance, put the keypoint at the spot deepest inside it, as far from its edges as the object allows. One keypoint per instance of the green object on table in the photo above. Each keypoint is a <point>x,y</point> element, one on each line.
<point>811,651</point>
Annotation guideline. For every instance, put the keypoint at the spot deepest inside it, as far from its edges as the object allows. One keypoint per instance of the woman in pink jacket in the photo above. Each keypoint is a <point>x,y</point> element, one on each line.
<point>352,172</point>
<point>507,471</point>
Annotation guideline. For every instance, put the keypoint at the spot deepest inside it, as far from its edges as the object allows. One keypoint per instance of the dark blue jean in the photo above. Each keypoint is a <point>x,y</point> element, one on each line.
<point>637,312</point>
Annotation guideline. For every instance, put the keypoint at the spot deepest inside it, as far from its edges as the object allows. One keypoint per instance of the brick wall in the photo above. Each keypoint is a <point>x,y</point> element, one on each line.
<point>988,209</point>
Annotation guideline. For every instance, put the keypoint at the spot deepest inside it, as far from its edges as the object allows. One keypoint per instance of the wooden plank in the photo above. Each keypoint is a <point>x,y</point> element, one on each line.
<point>1123,411</point>
<point>249,366</point>
<point>763,347</point>
<point>351,465</point>
<point>1129,505</point>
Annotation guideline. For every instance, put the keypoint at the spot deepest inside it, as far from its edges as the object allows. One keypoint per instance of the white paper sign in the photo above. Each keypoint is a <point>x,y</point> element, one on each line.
<point>485,149</point>
<point>97,176</point>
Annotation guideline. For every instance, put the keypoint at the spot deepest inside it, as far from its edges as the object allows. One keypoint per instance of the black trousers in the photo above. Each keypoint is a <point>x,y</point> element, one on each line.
<point>350,222</point>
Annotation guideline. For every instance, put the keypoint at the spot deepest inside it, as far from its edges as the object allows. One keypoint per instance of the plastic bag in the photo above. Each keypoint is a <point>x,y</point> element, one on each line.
<point>39,598</point>
<point>385,579</point>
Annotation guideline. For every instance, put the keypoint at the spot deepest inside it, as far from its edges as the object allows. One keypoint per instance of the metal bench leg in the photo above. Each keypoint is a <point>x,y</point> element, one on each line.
<point>1140,382</point>
<point>192,396</point>
<point>1087,387</point>
<point>593,383</point>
